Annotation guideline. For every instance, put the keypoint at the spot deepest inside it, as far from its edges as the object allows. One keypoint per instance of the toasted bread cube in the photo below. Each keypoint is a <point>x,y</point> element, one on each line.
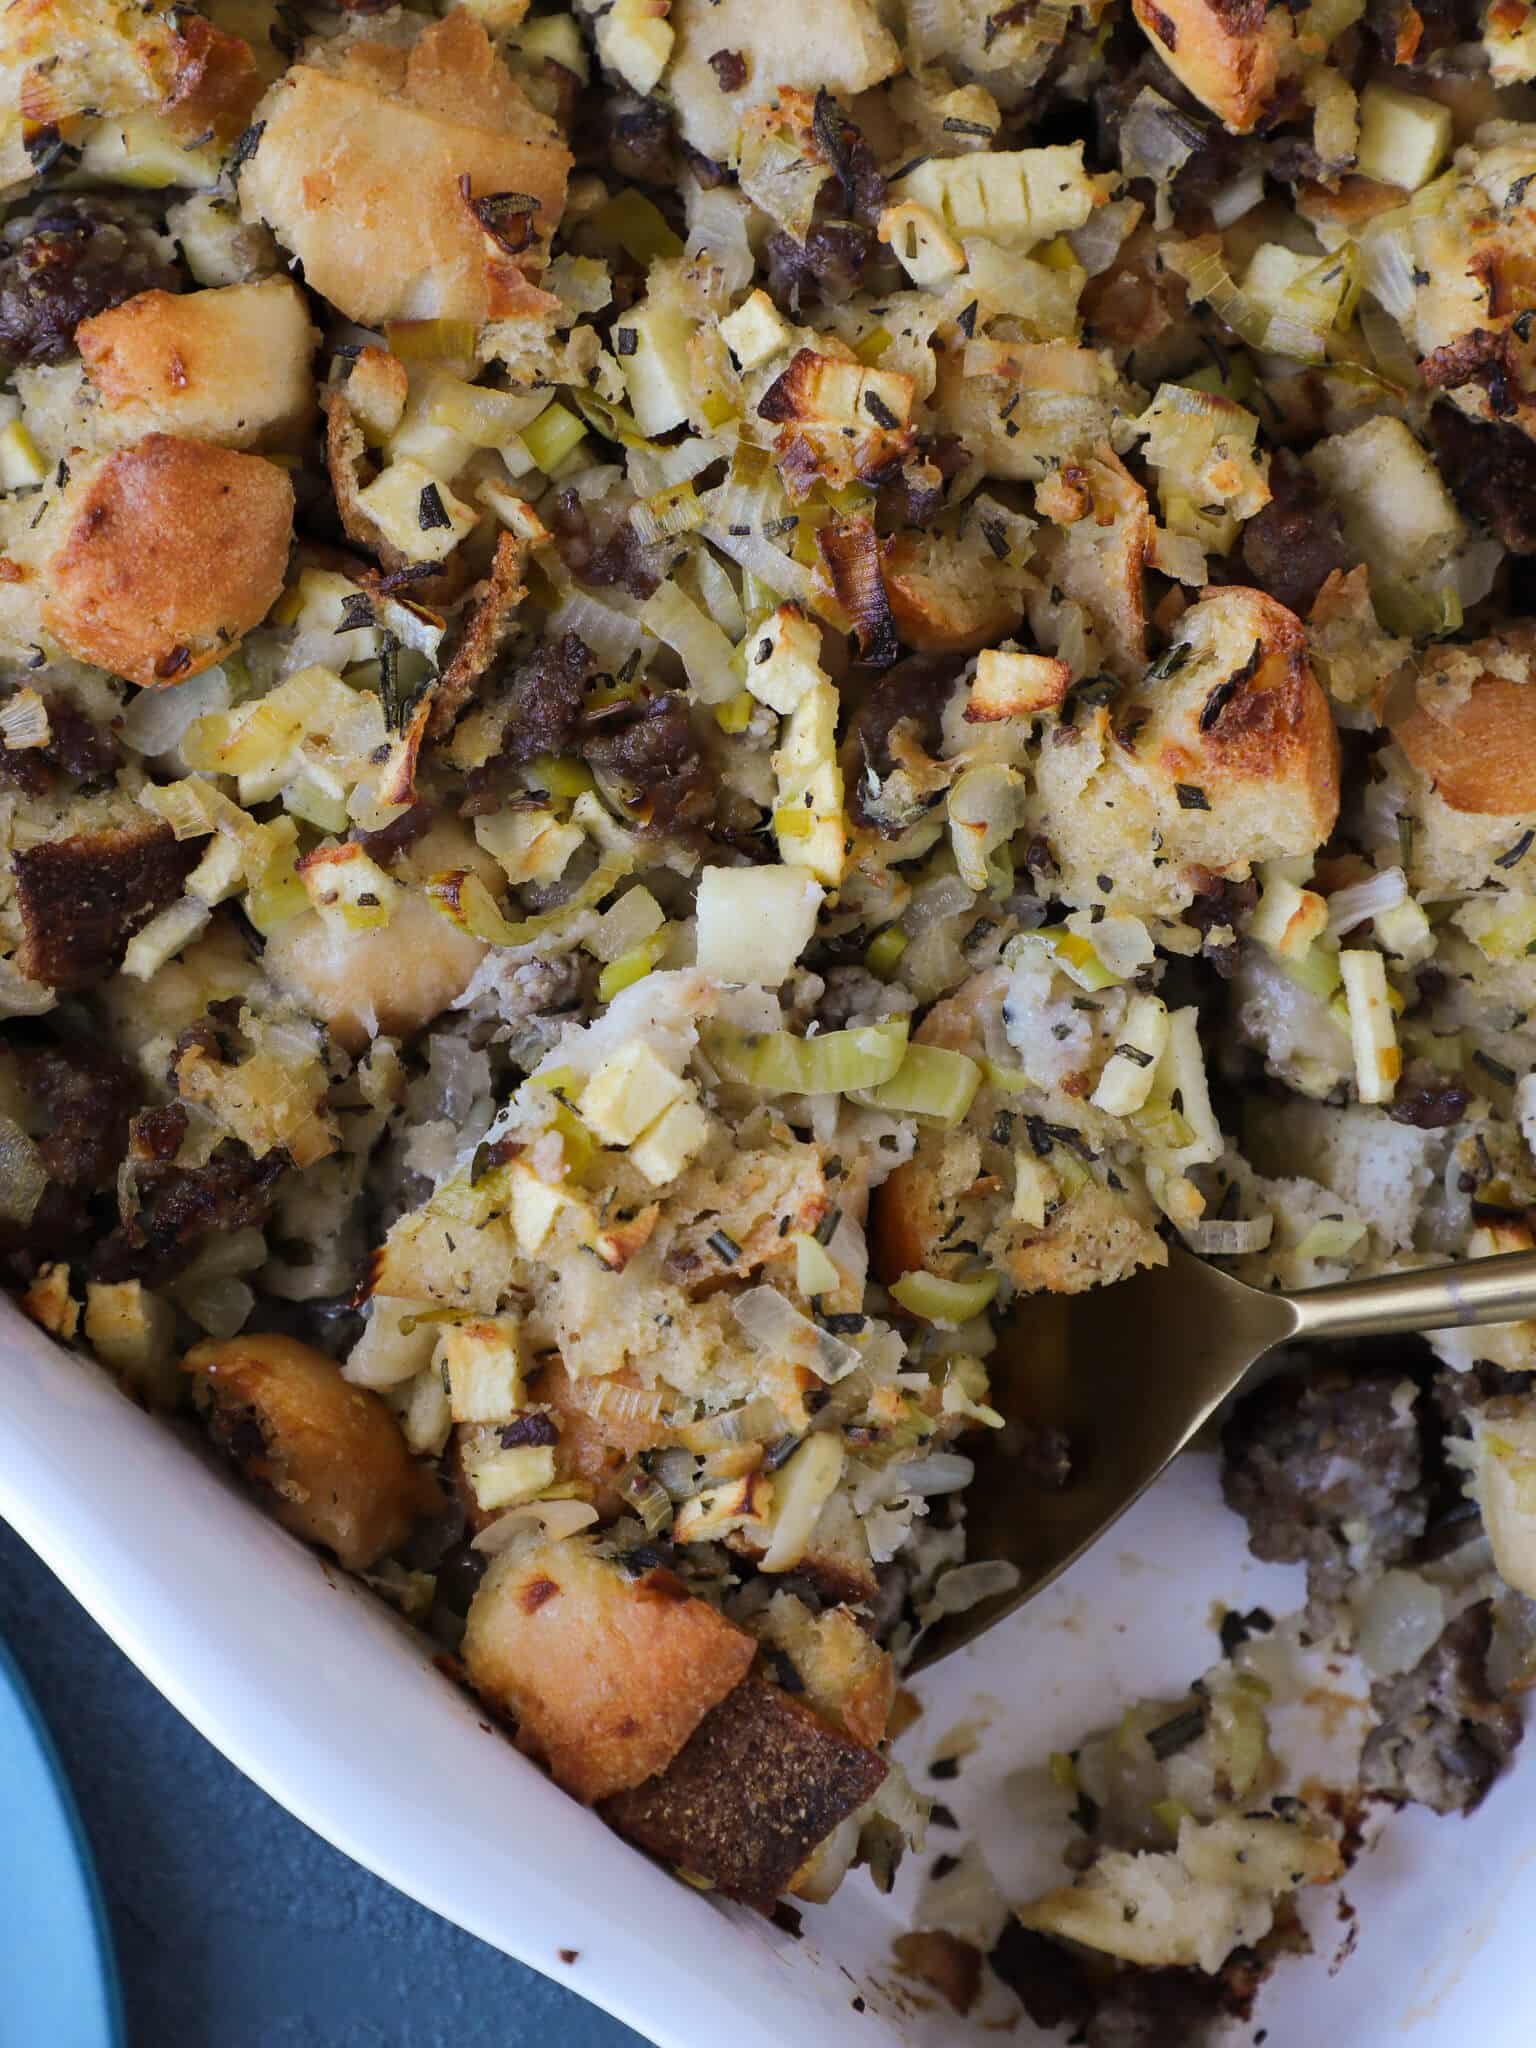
<point>1015,685</point>
<point>168,552</point>
<point>608,1676</point>
<point>724,1507</point>
<point>482,1361</point>
<point>329,1456</point>
<point>762,1781</point>
<point>230,365</point>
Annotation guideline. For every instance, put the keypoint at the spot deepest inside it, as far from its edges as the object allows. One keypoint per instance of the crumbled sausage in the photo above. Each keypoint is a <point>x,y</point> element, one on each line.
<point>656,762</point>
<point>1302,1460</point>
<point>1491,470</point>
<point>73,257</point>
<point>1292,546</point>
<point>601,548</point>
<point>1442,1735</point>
<point>910,695</point>
<point>180,1206</point>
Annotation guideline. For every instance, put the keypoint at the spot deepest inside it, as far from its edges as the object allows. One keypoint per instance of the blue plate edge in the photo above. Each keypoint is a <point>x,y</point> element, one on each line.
<point>12,1673</point>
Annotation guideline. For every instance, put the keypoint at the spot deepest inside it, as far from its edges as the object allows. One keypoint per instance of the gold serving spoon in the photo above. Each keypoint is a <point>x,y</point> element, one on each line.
<point>1133,1372</point>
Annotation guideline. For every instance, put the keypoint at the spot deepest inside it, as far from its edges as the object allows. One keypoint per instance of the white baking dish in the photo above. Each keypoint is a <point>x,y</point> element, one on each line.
<point>312,1688</point>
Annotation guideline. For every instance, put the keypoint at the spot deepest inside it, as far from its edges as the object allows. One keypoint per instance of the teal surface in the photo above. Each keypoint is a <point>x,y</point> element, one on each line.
<point>55,1953</point>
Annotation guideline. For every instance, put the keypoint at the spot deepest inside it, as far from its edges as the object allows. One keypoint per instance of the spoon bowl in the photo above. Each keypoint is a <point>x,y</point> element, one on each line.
<point>1131,1373</point>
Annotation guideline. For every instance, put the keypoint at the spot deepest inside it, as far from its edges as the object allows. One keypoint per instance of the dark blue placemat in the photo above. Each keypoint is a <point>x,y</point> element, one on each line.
<point>235,1926</point>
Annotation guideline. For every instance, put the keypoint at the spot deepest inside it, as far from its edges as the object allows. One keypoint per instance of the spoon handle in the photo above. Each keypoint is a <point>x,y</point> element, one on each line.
<point>1497,1290</point>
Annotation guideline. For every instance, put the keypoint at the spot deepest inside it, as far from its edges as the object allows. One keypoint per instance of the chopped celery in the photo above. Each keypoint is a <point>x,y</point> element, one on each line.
<point>930,1082</point>
<point>735,714</point>
<point>874,345</point>
<point>418,341</point>
<point>938,1300</point>
<point>466,901</point>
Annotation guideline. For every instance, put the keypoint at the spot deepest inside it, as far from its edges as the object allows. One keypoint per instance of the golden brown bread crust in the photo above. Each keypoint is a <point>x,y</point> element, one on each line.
<point>761,1782</point>
<point>170,551</point>
<point>1097,554</point>
<point>1273,728</point>
<point>230,365</point>
<point>82,899</point>
<point>607,1676</point>
<point>329,1454</point>
<point>380,246</point>
<point>1220,49</point>
<point>938,609</point>
<point>1479,753</point>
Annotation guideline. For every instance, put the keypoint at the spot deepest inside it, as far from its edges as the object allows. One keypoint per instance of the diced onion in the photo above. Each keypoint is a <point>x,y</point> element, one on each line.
<point>1362,901</point>
<point>703,649</point>
<point>613,637</point>
<point>939,1472</point>
<point>154,722</point>
<point>774,1325</point>
<point>1401,1619</point>
<point>1102,235</point>
<point>967,1585</point>
<point>20,997</point>
<point>1230,1240</point>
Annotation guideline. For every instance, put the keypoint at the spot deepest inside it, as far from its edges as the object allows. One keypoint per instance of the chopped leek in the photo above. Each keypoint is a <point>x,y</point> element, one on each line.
<point>930,1082</point>
<point>464,898</point>
<point>884,951</point>
<point>552,436</point>
<point>631,967</point>
<point>949,1302</point>
<point>832,1063</point>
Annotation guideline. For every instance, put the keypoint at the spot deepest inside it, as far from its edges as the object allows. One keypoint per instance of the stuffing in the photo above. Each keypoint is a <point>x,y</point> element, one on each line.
<point>395,979</point>
<point>71,68</point>
<point>162,556</point>
<point>325,177</point>
<point>1230,57</point>
<point>841,45</point>
<point>329,1456</point>
<point>230,366</point>
<point>608,1675</point>
<point>1458,771</point>
<point>1231,757</point>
